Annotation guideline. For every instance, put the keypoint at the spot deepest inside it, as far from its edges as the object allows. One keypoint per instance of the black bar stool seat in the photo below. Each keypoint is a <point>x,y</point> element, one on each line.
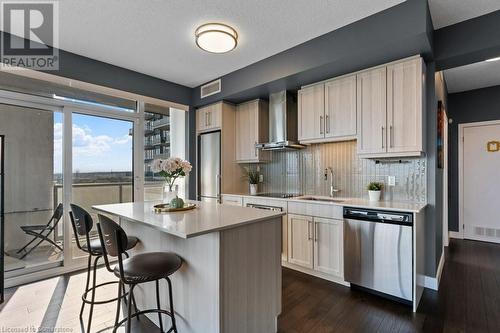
<point>96,246</point>
<point>150,266</point>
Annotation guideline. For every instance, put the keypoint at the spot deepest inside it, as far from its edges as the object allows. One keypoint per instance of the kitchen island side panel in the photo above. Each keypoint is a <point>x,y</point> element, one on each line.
<point>195,285</point>
<point>251,277</point>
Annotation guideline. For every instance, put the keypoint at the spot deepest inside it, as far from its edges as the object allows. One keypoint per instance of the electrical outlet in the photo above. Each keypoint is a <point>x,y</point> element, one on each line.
<point>261,178</point>
<point>391,180</point>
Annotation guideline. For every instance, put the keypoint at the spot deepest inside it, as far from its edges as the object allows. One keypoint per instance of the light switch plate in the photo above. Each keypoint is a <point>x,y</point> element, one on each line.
<point>391,180</point>
<point>261,178</point>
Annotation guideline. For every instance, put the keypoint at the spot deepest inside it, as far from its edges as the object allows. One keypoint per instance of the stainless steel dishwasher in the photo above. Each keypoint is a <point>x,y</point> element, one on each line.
<point>378,251</point>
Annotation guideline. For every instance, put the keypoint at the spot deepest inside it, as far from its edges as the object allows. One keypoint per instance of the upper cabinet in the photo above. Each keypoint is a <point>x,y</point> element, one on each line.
<point>311,112</point>
<point>404,107</point>
<point>209,118</point>
<point>372,111</point>
<point>340,108</point>
<point>252,127</point>
<point>390,109</point>
<point>327,111</point>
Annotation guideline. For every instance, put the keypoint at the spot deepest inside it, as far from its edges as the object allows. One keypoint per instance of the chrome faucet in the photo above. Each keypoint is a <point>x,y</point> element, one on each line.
<point>333,190</point>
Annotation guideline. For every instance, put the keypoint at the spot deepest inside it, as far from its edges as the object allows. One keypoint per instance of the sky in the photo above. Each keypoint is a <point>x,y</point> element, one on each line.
<point>99,144</point>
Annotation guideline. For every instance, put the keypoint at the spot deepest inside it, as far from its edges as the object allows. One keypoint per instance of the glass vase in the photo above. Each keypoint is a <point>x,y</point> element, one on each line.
<point>169,192</point>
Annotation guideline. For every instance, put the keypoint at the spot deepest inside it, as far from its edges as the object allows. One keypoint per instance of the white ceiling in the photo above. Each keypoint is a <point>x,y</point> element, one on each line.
<point>474,76</point>
<point>157,37</point>
<point>448,12</point>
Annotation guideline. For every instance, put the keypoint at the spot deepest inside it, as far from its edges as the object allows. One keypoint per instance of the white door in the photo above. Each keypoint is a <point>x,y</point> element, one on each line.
<point>300,251</point>
<point>340,108</point>
<point>481,181</point>
<point>372,111</point>
<point>404,106</point>
<point>312,112</point>
<point>328,246</point>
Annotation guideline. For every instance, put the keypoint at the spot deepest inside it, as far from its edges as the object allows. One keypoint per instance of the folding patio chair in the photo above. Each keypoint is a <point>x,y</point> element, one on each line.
<point>42,231</point>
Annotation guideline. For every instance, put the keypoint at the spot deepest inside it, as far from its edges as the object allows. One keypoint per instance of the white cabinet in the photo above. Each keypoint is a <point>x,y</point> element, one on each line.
<point>232,200</point>
<point>390,109</point>
<point>316,243</point>
<point>209,117</point>
<point>327,111</point>
<point>372,111</point>
<point>311,112</point>
<point>404,107</point>
<point>300,240</point>
<point>340,108</point>
<point>252,127</point>
<point>328,246</point>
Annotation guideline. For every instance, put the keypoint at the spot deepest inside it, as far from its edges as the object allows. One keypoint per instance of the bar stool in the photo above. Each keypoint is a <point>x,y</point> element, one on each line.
<point>82,224</point>
<point>140,268</point>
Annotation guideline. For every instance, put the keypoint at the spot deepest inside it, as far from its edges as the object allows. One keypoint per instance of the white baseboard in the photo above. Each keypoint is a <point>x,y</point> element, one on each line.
<point>433,282</point>
<point>456,234</point>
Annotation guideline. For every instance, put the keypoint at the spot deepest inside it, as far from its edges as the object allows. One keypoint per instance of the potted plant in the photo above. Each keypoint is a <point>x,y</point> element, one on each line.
<point>170,169</point>
<point>374,190</point>
<point>253,177</point>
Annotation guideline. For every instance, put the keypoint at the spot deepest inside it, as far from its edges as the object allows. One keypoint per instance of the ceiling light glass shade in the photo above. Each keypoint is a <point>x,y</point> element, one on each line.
<point>216,38</point>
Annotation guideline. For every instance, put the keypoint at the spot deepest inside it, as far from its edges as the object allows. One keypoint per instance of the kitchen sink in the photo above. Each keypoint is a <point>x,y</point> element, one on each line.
<point>324,199</point>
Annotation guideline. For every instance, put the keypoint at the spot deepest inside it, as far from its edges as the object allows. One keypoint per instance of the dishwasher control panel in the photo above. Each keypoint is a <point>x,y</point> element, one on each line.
<point>378,215</point>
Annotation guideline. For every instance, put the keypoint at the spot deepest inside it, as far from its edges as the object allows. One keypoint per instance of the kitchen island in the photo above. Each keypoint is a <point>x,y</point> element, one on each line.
<point>231,277</point>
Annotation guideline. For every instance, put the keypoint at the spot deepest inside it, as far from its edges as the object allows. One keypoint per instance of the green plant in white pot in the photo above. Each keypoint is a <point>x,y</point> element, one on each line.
<point>253,177</point>
<point>374,190</point>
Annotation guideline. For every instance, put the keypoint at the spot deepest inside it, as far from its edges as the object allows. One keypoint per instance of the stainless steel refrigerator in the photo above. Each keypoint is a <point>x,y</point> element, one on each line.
<point>209,167</point>
<point>2,228</point>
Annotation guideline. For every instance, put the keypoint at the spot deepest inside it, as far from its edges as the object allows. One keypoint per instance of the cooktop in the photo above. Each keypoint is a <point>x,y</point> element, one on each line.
<point>278,195</point>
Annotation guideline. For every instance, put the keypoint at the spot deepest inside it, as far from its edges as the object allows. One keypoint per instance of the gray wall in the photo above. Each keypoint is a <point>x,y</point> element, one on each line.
<point>467,42</point>
<point>97,72</point>
<point>466,107</point>
<point>434,211</point>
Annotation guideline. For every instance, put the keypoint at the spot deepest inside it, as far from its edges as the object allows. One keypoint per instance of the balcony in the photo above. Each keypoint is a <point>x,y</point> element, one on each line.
<point>85,195</point>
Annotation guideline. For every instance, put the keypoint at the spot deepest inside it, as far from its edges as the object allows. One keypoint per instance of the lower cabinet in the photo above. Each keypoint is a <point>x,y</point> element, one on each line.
<point>300,241</point>
<point>316,243</point>
<point>329,246</point>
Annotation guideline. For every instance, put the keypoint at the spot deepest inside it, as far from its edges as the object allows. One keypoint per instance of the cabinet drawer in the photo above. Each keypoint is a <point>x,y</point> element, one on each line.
<point>331,211</point>
<point>232,200</point>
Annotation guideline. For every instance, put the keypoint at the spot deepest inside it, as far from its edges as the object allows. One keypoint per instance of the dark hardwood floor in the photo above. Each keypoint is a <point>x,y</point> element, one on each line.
<point>468,300</point>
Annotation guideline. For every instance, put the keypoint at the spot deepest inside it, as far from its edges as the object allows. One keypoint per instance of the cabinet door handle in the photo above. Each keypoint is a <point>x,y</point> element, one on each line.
<point>210,119</point>
<point>255,148</point>
<point>391,134</point>
<point>206,119</point>
<point>320,124</point>
<point>327,123</point>
<point>309,230</point>
<point>382,137</point>
<point>315,232</point>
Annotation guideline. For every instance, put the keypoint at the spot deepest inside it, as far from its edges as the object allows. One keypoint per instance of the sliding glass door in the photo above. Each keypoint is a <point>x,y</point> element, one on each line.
<point>33,160</point>
<point>102,164</point>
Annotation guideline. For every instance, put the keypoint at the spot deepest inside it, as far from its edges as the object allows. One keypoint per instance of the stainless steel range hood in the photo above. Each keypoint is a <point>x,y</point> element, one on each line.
<point>283,123</point>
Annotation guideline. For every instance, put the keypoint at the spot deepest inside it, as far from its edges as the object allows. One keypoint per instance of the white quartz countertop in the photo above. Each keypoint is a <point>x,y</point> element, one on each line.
<point>207,217</point>
<point>411,207</point>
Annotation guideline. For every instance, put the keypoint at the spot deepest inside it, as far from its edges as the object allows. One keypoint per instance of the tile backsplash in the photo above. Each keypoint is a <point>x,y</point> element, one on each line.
<point>303,171</point>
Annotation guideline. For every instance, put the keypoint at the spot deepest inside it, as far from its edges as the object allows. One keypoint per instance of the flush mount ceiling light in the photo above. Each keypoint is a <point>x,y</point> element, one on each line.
<point>216,38</point>
<point>493,59</point>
